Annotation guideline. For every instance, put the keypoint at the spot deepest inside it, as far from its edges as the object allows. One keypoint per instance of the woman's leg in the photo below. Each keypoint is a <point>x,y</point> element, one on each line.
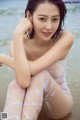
<point>35,94</point>
<point>14,101</point>
<point>33,98</point>
<point>56,105</point>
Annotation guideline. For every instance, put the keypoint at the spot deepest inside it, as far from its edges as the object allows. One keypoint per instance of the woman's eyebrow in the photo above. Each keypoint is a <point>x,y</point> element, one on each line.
<point>47,16</point>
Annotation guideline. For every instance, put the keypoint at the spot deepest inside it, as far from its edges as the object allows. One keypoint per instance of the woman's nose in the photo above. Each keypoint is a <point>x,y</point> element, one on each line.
<point>49,25</point>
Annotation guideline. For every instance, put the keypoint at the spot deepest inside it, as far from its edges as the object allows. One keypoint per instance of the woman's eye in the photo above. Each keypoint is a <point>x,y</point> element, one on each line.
<point>55,19</point>
<point>42,19</point>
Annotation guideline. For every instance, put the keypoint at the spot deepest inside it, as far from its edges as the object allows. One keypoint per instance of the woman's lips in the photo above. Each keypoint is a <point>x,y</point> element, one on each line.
<point>46,34</point>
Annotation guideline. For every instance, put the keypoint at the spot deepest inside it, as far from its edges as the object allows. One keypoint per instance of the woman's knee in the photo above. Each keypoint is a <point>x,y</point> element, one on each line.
<point>13,84</point>
<point>44,78</point>
<point>40,75</point>
<point>39,79</point>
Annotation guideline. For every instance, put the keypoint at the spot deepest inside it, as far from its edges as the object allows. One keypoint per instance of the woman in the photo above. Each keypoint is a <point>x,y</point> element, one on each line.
<point>38,53</point>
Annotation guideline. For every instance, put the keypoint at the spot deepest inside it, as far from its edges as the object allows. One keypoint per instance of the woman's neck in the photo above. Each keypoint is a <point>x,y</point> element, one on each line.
<point>41,43</point>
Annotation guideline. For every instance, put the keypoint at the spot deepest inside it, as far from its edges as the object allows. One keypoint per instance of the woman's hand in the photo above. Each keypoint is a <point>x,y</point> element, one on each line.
<point>7,60</point>
<point>24,26</point>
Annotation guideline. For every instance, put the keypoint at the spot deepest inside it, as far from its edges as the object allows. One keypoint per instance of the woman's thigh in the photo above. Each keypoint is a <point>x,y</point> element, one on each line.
<point>59,105</point>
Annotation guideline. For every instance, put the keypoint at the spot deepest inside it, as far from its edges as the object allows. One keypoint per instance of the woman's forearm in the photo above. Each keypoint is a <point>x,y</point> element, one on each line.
<point>22,68</point>
<point>7,60</point>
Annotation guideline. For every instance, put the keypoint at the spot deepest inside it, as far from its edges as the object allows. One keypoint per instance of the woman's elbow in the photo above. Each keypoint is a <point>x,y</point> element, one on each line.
<point>24,86</point>
<point>24,83</point>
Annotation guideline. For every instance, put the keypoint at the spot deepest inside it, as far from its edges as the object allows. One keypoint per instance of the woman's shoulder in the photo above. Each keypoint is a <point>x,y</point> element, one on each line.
<point>67,33</point>
<point>67,37</point>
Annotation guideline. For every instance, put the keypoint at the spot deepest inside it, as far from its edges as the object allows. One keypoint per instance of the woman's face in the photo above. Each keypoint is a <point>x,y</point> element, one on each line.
<point>46,20</point>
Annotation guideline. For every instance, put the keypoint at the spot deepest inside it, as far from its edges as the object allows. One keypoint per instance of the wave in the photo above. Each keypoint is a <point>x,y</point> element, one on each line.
<point>11,11</point>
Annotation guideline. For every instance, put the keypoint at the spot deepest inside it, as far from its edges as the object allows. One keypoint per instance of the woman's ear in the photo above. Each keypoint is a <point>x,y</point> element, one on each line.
<point>28,15</point>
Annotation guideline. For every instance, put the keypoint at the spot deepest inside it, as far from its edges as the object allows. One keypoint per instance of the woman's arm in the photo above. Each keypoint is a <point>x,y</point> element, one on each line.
<point>19,62</point>
<point>58,52</point>
<point>7,60</point>
<point>22,69</point>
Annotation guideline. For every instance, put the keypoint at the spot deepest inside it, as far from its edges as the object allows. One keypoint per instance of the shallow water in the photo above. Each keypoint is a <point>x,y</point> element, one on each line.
<point>10,14</point>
